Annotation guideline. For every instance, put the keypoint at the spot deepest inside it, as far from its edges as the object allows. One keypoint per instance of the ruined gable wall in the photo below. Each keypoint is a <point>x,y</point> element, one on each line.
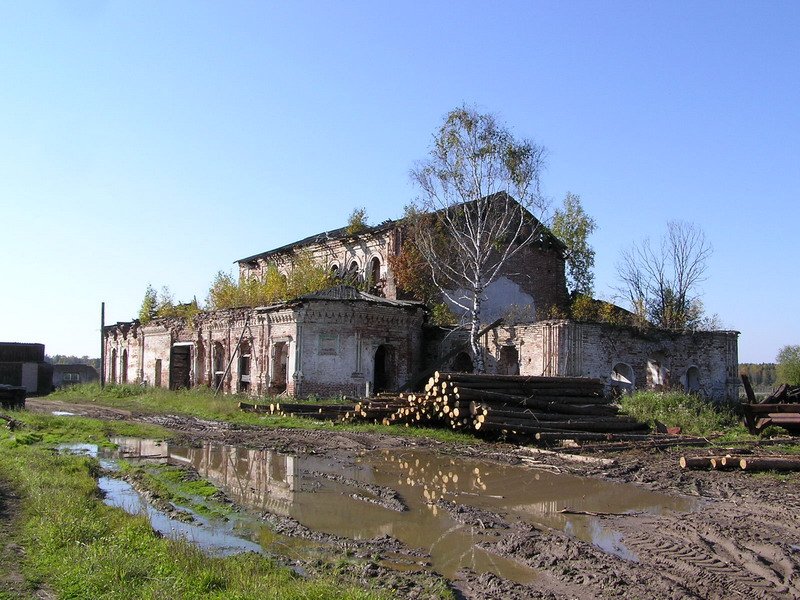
<point>531,284</point>
<point>658,359</point>
<point>119,339</point>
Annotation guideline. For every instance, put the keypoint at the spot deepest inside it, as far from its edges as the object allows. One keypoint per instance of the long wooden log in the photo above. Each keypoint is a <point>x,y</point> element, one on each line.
<point>586,436</point>
<point>570,409</point>
<point>563,389</point>
<point>771,408</point>
<point>533,379</point>
<point>468,393</point>
<point>535,415</point>
<point>695,462</point>
<point>478,406</point>
<point>764,463</point>
<point>568,425</point>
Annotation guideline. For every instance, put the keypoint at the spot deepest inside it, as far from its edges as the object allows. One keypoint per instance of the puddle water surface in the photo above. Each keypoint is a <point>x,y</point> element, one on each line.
<point>363,497</point>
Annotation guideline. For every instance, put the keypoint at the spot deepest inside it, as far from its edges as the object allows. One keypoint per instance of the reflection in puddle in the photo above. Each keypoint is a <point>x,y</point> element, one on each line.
<point>328,495</point>
<point>211,539</point>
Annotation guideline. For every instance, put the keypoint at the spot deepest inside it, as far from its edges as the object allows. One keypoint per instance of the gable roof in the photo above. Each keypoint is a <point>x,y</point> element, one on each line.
<point>349,293</point>
<point>321,238</point>
<point>341,233</point>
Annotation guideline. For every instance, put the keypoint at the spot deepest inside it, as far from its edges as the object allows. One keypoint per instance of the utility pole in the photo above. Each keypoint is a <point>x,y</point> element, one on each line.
<point>102,345</point>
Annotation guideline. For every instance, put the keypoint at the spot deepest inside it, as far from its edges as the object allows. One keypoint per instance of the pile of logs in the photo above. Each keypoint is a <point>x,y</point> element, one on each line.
<point>513,405</point>
<point>510,406</point>
<point>781,408</point>
<point>323,412</point>
<point>745,463</point>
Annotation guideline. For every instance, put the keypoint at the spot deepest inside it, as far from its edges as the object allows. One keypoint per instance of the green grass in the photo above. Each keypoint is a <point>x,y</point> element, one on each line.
<point>56,430</point>
<point>179,486</point>
<point>693,415</point>
<point>78,547</point>
<point>201,402</point>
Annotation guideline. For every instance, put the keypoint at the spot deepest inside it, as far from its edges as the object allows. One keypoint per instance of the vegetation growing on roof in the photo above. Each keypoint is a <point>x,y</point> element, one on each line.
<point>272,287</point>
<point>357,222</point>
<point>155,305</point>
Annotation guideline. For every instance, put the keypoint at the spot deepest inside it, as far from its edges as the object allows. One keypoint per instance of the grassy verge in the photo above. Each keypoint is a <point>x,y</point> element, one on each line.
<point>77,547</point>
<point>201,402</point>
<point>693,415</point>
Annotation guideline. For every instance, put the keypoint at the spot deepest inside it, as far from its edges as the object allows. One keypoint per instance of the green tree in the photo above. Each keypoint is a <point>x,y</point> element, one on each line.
<point>357,222</point>
<point>149,305</point>
<point>788,368</point>
<point>573,226</point>
<point>478,186</point>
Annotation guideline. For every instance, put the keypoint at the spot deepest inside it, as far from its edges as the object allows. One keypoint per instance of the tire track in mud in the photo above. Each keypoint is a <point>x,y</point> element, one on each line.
<point>718,562</point>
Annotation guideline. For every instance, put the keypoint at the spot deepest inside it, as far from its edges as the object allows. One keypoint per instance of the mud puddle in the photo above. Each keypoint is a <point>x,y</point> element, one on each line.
<point>445,507</point>
<point>216,537</point>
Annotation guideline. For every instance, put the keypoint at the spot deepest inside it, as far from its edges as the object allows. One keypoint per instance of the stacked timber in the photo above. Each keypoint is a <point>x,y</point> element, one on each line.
<point>744,463</point>
<point>781,408</point>
<point>513,405</point>
<point>375,410</point>
<point>322,412</point>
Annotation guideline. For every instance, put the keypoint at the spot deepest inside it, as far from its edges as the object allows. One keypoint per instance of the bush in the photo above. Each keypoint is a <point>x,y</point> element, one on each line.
<point>676,409</point>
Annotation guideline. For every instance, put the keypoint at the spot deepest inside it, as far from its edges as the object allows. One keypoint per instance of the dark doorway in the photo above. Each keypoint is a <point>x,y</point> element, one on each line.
<point>158,373</point>
<point>244,368</point>
<point>509,361</point>
<point>462,363</point>
<point>384,372</point>
<point>114,365</point>
<point>280,367</point>
<point>124,367</point>
<point>218,357</point>
<point>179,367</point>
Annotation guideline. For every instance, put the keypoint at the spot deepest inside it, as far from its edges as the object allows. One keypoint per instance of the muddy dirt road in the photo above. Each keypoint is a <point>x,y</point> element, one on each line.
<point>706,534</point>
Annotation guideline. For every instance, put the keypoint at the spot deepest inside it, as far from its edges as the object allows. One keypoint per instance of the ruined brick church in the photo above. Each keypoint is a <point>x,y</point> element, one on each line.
<point>346,341</point>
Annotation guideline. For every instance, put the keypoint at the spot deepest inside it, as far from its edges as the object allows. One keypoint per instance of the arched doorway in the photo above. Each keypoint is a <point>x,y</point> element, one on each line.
<point>384,371</point>
<point>462,363</point>
<point>279,371</point>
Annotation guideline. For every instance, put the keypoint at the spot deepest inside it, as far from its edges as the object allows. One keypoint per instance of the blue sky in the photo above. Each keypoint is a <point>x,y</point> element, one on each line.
<point>158,142</point>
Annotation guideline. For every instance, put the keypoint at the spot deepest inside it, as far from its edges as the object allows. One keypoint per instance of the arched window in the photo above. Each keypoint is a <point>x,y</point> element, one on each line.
<point>622,378</point>
<point>375,270</point>
<point>692,380</point>
<point>352,276</point>
<point>335,270</point>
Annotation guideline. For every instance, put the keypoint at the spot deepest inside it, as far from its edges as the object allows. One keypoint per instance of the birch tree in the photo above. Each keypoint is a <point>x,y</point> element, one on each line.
<point>478,187</point>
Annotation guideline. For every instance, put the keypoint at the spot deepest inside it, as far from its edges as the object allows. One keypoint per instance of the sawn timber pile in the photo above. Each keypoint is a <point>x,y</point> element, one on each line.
<point>515,405</point>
